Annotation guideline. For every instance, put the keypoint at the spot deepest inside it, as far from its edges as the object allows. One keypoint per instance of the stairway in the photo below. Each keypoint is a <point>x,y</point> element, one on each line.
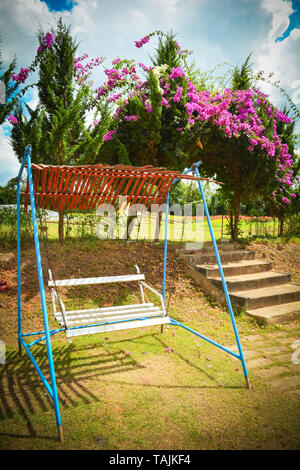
<point>264,294</point>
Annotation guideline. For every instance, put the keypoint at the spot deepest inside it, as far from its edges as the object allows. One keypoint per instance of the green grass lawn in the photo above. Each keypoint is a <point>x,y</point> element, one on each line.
<point>137,389</point>
<point>124,391</point>
<point>147,231</point>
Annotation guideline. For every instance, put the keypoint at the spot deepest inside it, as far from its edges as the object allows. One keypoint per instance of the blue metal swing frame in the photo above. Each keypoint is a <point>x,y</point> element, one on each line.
<point>240,355</point>
<point>46,334</point>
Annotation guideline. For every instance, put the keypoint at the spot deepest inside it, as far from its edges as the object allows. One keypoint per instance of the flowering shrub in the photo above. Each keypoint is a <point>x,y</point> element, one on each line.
<point>236,114</point>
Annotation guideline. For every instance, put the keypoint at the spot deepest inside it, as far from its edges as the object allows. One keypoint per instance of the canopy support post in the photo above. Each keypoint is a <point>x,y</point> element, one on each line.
<point>19,267</point>
<point>222,276</point>
<point>27,160</point>
<point>165,252</point>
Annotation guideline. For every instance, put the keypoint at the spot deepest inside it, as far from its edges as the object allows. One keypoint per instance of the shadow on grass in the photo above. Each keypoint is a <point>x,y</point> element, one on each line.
<point>24,395</point>
<point>159,338</point>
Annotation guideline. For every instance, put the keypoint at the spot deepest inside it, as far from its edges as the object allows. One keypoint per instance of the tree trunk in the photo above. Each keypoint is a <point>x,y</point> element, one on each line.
<point>61,226</point>
<point>158,224</point>
<point>280,224</point>
<point>281,227</point>
<point>236,216</point>
<point>231,222</point>
<point>130,225</point>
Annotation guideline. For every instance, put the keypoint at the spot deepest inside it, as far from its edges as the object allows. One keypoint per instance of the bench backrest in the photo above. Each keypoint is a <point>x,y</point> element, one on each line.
<point>96,280</point>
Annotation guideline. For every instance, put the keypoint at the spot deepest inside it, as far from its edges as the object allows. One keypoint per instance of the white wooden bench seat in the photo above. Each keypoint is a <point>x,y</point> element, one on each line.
<point>104,319</point>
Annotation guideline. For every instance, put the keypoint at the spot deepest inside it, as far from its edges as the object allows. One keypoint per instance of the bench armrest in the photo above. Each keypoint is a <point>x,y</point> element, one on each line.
<point>157,293</point>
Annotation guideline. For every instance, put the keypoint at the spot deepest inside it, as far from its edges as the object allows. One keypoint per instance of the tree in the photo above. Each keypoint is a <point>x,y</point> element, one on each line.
<point>148,121</point>
<point>240,145</point>
<point>166,53</point>
<point>8,192</point>
<point>242,78</point>
<point>166,121</point>
<point>7,89</point>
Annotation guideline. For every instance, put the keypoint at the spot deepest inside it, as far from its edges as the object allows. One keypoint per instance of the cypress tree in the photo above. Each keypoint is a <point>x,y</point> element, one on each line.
<point>56,129</point>
<point>8,89</point>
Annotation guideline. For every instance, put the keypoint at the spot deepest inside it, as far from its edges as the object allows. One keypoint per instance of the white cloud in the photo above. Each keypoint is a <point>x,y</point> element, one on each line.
<point>34,99</point>
<point>168,6</point>
<point>280,57</point>
<point>280,11</point>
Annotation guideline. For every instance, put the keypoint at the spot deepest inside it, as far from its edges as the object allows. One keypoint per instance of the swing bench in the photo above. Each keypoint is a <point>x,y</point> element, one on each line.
<point>63,188</point>
<point>99,320</point>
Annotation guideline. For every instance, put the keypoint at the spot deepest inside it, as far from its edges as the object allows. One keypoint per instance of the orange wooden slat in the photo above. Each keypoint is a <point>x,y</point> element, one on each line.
<point>43,187</point>
<point>54,189</point>
<point>108,190</point>
<point>81,191</point>
<point>100,187</point>
<point>72,200</point>
<point>49,187</point>
<point>89,191</point>
<point>36,184</point>
<point>83,187</point>
<point>61,199</point>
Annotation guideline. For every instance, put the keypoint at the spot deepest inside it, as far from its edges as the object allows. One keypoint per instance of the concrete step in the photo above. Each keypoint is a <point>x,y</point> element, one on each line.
<point>266,296</point>
<point>237,268</point>
<point>207,248</point>
<point>226,257</point>
<point>276,313</point>
<point>252,281</point>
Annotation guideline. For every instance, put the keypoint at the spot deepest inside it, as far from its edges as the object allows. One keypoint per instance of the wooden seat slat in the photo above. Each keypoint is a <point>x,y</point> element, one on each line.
<point>117,326</point>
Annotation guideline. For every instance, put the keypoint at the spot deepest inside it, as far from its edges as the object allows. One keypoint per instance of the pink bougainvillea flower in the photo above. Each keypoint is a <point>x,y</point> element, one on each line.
<point>142,42</point>
<point>108,136</point>
<point>21,76</point>
<point>131,118</point>
<point>169,350</point>
<point>177,72</point>
<point>178,94</point>
<point>47,41</point>
<point>12,119</point>
<point>147,106</point>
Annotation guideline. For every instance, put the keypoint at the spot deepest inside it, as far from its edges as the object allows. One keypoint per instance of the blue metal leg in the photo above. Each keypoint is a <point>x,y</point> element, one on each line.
<point>223,279</point>
<point>43,299</point>
<point>19,267</point>
<point>165,254</point>
<point>165,247</point>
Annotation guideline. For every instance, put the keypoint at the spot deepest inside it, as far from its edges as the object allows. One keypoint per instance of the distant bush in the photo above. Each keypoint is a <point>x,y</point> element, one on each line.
<point>292,226</point>
<point>8,224</point>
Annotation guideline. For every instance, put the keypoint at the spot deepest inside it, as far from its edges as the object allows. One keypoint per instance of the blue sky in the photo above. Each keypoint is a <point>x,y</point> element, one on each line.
<point>60,5</point>
<point>217,31</point>
<point>294,21</point>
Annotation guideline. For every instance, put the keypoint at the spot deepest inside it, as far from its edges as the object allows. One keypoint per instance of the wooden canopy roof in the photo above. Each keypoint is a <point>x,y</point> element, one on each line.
<point>86,187</point>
